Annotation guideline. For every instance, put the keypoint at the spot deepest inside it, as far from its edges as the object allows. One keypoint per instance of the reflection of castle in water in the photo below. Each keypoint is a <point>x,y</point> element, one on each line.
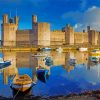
<point>26,60</point>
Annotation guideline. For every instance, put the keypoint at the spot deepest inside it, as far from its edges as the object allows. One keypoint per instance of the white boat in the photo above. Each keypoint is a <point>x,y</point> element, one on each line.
<point>40,55</point>
<point>83,49</point>
<point>59,49</point>
<point>95,53</point>
<point>94,59</point>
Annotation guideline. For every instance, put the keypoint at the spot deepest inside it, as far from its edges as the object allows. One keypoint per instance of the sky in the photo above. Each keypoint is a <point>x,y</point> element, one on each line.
<point>78,13</point>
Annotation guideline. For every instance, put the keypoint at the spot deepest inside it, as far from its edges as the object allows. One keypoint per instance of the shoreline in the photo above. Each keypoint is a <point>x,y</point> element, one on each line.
<point>88,95</point>
<point>65,48</point>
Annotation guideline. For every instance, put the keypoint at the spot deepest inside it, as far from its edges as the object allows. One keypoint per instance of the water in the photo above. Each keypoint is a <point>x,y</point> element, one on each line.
<point>63,80</point>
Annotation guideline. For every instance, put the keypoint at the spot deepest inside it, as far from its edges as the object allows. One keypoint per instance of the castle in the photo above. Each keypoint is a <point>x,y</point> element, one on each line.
<point>41,35</point>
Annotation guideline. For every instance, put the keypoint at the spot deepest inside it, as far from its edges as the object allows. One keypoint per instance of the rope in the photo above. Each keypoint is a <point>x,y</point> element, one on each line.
<point>16,94</point>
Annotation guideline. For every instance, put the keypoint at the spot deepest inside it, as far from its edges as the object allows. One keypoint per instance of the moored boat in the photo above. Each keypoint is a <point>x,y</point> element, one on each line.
<point>83,49</point>
<point>95,53</point>
<point>72,61</point>
<point>4,64</point>
<point>22,83</point>
<point>39,55</point>
<point>94,59</point>
<point>42,74</point>
<point>48,61</point>
<point>45,49</point>
<point>59,50</point>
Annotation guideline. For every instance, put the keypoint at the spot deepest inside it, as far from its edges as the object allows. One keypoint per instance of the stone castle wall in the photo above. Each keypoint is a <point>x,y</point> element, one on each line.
<point>41,35</point>
<point>57,37</point>
<point>23,37</point>
<point>81,38</point>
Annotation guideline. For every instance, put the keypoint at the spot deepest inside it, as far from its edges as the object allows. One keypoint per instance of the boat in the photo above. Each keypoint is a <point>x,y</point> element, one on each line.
<point>45,49</point>
<point>22,84</point>
<point>4,64</point>
<point>59,50</point>
<point>39,55</point>
<point>94,59</point>
<point>72,61</point>
<point>83,49</point>
<point>42,74</point>
<point>95,53</point>
<point>48,61</point>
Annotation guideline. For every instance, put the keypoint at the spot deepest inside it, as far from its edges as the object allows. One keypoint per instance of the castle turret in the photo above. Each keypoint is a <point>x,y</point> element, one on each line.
<point>16,19</point>
<point>34,19</point>
<point>88,28</point>
<point>5,18</point>
<point>34,22</point>
<point>10,20</point>
<point>8,31</point>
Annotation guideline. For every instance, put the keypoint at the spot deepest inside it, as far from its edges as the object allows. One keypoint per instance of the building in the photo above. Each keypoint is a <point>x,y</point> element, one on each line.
<point>41,35</point>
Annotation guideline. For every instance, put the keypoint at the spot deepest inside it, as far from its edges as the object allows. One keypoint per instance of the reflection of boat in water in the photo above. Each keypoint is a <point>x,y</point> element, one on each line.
<point>4,64</point>
<point>42,74</point>
<point>48,61</point>
<point>83,49</point>
<point>22,84</point>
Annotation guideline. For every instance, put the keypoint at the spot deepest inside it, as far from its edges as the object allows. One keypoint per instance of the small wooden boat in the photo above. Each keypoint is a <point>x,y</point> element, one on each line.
<point>42,74</point>
<point>22,84</point>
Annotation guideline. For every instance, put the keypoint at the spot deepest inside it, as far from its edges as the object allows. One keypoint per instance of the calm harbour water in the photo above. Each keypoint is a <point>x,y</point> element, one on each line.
<point>64,79</point>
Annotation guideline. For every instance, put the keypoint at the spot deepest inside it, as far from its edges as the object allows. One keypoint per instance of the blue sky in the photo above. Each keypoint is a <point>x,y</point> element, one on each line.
<point>77,13</point>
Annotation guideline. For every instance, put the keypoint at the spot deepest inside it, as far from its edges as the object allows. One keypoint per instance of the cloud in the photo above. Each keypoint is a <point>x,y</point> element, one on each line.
<point>90,17</point>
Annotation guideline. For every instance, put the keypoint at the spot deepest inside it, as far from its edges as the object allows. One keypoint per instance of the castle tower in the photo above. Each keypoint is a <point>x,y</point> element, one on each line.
<point>41,32</point>
<point>34,20</point>
<point>69,35</point>
<point>92,36</point>
<point>9,31</point>
<point>5,18</point>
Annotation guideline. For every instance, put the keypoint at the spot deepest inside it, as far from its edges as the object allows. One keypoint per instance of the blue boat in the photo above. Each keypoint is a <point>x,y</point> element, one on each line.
<point>4,64</point>
<point>42,75</point>
<point>48,61</point>
<point>45,49</point>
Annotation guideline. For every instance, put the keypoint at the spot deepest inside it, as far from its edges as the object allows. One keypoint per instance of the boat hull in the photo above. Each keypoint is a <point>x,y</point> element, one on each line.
<point>42,75</point>
<point>5,64</point>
